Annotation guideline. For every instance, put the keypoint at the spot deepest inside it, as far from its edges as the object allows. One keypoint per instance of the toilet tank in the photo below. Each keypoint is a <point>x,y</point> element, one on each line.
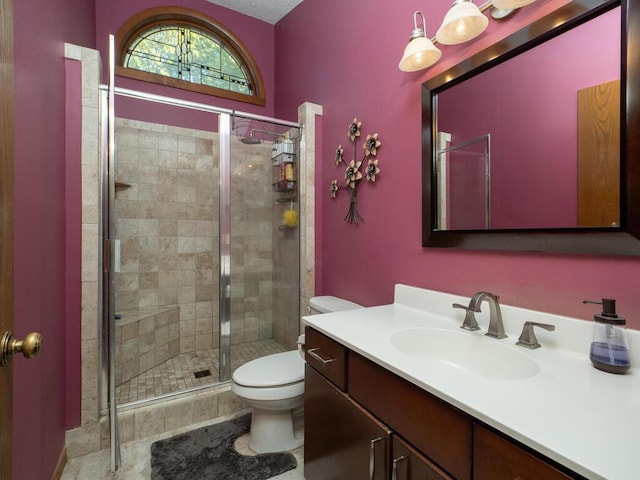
<point>325,304</point>
<point>329,303</point>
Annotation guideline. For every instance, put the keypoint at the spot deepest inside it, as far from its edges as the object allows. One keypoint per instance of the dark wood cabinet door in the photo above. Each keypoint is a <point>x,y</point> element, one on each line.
<point>342,441</point>
<point>409,464</point>
<point>439,430</point>
<point>496,458</point>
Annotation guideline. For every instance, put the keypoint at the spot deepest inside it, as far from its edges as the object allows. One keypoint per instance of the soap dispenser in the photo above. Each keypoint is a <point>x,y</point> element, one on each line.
<point>610,346</point>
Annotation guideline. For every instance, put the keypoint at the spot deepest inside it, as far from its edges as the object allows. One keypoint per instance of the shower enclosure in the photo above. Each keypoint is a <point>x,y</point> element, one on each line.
<point>463,183</point>
<point>202,266</point>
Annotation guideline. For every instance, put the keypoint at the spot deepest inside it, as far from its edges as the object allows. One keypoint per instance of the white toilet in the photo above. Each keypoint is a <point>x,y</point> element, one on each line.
<point>274,387</point>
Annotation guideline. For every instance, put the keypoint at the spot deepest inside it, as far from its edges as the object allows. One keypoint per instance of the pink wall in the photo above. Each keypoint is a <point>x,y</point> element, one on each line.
<point>348,54</point>
<point>41,27</point>
<point>258,36</point>
<point>533,160</point>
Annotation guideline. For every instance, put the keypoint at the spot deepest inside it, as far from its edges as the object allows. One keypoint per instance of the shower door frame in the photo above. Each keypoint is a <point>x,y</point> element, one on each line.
<point>441,167</point>
<point>225,117</point>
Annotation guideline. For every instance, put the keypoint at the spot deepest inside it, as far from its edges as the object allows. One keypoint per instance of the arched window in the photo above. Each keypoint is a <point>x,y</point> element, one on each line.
<point>185,49</point>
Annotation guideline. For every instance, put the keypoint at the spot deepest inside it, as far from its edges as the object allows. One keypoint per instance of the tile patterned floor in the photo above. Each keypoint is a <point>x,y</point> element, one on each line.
<point>136,460</point>
<point>173,375</point>
<point>177,373</point>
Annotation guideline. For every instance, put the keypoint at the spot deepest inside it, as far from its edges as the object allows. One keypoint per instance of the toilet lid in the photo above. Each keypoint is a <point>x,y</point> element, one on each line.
<point>271,370</point>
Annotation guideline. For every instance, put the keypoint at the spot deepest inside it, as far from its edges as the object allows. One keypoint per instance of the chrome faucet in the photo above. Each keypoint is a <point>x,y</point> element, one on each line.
<point>496,328</point>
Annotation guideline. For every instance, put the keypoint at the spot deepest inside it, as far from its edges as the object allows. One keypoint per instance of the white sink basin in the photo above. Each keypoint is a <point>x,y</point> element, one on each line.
<point>474,353</point>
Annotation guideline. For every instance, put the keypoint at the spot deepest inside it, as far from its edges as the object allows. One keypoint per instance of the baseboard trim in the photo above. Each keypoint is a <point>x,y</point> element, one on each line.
<point>62,462</point>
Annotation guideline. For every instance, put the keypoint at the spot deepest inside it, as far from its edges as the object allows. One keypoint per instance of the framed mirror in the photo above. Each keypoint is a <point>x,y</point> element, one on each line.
<point>505,170</point>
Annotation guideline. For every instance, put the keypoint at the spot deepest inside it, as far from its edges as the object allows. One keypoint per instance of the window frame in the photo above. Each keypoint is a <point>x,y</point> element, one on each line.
<point>152,17</point>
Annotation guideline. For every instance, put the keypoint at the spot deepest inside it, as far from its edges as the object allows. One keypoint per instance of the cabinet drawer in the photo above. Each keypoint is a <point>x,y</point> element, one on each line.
<point>440,431</point>
<point>409,464</point>
<point>327,356</point>
<point>496,458</point>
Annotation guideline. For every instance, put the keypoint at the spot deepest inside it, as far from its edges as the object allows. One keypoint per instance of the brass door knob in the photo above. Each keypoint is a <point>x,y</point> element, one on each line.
<point>30,346</point>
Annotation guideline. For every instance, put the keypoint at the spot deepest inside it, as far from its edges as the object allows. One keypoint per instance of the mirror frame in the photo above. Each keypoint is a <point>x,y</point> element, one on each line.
<point>623,240</point>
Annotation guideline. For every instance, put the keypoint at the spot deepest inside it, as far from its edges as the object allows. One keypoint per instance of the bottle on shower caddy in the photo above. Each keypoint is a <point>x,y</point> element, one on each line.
<point>610,345</point>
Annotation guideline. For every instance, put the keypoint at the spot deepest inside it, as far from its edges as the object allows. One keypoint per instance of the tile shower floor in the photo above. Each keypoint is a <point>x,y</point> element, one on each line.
<point>173,375</point>
<point>179,372</point>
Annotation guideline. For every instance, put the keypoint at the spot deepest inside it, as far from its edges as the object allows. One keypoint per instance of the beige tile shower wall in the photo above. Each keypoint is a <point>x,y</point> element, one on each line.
<point>309,114</point>
<point>251,242</point>
<point>144,340</point>
<point>286,253</point>
<point>167,222</point>
<point>88,433</point>
<point>91,258</point>
<point>286,287</point>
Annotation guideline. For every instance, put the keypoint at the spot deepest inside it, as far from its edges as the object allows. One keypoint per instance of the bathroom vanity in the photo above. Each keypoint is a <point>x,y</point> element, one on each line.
<point>399,391</point>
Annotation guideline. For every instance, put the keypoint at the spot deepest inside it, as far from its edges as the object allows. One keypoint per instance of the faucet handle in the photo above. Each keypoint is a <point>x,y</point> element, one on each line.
<point>470,322</point>
<point>528,337</point>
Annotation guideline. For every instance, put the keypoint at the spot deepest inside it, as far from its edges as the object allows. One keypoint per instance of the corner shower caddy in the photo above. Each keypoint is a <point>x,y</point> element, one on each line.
<point>285,184</point>
<point>283,160</point>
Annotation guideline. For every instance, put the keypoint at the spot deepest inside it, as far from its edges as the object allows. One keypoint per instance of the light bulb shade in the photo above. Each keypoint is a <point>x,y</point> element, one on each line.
<point>420,53</point>
<point>511,4</point>
<point>462,22</point>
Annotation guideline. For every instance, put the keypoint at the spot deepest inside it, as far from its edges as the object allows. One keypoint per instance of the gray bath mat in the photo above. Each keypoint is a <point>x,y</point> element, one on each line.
<point>208,454</point>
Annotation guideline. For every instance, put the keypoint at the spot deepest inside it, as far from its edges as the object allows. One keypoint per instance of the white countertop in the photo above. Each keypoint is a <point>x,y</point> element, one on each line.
<point>583,418</point>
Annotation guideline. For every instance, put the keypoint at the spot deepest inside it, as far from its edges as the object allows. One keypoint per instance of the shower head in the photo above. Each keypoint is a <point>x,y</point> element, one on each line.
<point>250,140</point>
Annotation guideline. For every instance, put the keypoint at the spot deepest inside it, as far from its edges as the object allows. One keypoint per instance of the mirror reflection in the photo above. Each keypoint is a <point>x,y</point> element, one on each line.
<point>534,142</point>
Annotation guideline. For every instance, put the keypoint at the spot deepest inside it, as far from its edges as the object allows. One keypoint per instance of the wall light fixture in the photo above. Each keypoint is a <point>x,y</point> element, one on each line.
<point>420,52</point>
<point>463,22</point>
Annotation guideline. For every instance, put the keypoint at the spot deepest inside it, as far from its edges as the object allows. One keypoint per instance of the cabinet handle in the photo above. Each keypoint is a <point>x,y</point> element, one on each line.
<point>317,356</point>
<point>394,475</point>
<point>372,457</point>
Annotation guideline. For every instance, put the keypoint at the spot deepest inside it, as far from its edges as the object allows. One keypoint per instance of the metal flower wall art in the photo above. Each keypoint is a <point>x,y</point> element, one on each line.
<point>356,171</point>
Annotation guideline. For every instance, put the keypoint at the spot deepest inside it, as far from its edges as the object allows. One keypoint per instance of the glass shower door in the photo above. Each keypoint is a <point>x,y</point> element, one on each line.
<point>205,222</point>
<point>265,239</point>
<point>166,224</point>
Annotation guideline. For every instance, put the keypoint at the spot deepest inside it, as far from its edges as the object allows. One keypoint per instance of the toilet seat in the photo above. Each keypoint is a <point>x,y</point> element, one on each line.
<point>274,377</point>
<point>274,370</point>
<point>274,394</point>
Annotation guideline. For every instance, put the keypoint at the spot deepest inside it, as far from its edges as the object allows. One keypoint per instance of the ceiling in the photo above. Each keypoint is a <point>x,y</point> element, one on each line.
<point>268,10</point>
